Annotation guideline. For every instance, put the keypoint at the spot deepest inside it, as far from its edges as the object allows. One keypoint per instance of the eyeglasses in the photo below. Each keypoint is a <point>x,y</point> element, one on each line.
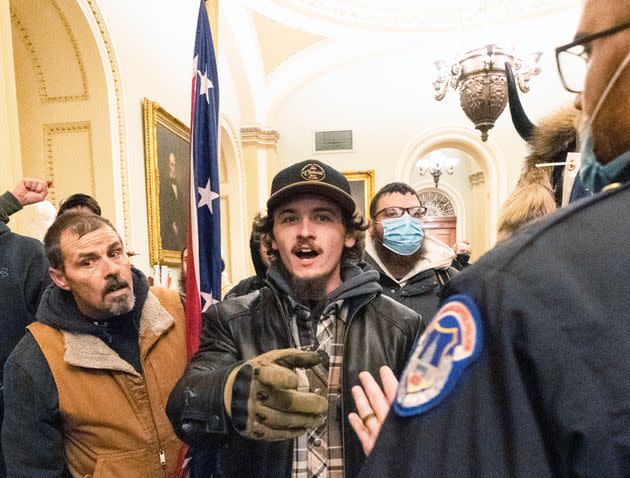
<point>572,58</point>
<point>395,211</point>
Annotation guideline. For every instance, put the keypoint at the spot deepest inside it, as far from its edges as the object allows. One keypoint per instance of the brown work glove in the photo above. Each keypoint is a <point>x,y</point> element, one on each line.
<point>262,400</point>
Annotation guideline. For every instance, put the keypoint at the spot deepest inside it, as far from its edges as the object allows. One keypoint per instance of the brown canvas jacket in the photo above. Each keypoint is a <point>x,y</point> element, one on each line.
<point>114,419</point>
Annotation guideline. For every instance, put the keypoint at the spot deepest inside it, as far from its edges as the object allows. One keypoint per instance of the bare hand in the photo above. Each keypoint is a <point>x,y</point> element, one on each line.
<point>31,190</point>
<point>372,406</point>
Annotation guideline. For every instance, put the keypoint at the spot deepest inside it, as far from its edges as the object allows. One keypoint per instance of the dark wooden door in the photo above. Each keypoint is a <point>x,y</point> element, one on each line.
<point>444,228</point>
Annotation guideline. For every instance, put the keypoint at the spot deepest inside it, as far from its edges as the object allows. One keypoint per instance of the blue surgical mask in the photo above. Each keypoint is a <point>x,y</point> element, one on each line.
<point>403,235</point>
<point>594,176</point>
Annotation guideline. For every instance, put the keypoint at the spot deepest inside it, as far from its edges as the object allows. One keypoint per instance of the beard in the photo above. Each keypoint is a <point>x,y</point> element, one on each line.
<point>118,305</point>
<point>121,305</point>
<point>305,290</point>
<point>390,258</point>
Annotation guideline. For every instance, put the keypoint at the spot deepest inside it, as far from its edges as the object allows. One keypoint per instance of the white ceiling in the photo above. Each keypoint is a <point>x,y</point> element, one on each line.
<point>402,15</point>
<point>285,44</point>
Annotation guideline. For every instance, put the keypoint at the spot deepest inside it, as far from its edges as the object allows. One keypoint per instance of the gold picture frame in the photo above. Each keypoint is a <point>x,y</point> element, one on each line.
<point>167,168</point>
<point>361,189</point>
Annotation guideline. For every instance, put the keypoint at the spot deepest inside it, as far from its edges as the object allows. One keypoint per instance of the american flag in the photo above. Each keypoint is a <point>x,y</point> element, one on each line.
<point>203,275</point>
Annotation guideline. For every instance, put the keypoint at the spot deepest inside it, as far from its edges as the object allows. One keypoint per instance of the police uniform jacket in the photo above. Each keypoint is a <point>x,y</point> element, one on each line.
<point>549,393</point>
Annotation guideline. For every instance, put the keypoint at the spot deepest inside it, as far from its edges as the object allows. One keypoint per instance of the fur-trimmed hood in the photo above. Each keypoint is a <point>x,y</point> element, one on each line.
<point>551,139</point>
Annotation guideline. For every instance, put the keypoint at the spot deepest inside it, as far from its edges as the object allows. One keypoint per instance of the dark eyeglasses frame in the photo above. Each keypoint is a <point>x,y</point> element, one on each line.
<point>423,210</point>
<point>582,41</point>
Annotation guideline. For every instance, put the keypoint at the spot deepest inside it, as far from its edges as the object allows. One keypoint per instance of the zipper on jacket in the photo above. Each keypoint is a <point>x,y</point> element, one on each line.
<point>285,321</point>
<point>144,364</point>
<point>161,453</point>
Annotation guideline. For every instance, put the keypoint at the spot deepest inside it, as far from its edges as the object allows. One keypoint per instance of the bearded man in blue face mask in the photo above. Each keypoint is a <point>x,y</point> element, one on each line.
<point>524,370</point>
<point>413,266</point>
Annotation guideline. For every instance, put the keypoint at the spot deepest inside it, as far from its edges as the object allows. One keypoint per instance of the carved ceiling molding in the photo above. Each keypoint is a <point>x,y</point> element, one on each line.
<point>122,137</point>
<point>40,76</point>
<point>52,129</point>
<point>255,135</point>
<point>477,178</point>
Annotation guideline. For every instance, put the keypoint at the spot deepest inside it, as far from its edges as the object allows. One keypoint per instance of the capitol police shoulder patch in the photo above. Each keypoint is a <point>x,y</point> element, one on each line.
<point>451,342</point>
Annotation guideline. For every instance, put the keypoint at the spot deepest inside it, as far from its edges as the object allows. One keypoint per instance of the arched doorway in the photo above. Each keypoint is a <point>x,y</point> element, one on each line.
<point>479,189</point>
<point>440,220</point>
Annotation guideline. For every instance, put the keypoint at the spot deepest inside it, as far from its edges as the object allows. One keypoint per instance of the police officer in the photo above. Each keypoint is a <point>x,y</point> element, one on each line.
<point>525,369</point>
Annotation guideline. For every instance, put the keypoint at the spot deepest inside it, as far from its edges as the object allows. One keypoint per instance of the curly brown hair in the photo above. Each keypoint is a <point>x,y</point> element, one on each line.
<point>354,224</point>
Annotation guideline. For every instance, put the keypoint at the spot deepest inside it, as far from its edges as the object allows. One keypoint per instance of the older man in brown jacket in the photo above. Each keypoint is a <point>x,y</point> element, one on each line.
<point>85,389</point>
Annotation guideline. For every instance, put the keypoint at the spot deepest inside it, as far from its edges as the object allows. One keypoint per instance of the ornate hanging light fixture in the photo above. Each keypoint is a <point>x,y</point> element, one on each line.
<point>436,164</point>
<point>480,77</point>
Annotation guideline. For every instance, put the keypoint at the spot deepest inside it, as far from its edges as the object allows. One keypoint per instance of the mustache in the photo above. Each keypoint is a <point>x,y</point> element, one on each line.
<point>309,244</point>
<point>114,283</point>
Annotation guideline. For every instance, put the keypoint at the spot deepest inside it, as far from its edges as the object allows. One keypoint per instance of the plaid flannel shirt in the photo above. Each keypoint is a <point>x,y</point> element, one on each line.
<point>319,452</point>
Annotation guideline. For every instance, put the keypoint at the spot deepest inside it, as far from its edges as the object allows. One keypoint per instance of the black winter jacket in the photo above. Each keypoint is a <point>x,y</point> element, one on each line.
<point>379,332</point>
<point>421,294</point>
<point>23,278</point>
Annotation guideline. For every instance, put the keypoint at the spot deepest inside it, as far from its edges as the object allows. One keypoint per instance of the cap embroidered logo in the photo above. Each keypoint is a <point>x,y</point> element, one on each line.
<point>313,172</point>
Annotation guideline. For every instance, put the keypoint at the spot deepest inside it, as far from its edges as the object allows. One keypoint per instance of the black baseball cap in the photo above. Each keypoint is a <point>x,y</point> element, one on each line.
<point>314,177</point>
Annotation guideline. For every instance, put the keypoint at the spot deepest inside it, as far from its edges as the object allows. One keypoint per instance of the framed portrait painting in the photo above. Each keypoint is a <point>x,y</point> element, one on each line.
<point>167,167</point>
<point>361,189</point>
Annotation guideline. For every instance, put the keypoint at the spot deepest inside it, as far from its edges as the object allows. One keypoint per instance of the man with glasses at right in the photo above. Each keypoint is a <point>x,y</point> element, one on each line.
<point>525,369</point>
<point>413,266</point>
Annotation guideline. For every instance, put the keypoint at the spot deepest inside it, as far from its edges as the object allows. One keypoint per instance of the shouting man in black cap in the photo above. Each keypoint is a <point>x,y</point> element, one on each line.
<point>269,389</point>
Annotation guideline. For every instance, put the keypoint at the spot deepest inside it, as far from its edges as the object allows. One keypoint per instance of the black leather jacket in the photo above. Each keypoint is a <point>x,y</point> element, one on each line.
<point>379,332</point>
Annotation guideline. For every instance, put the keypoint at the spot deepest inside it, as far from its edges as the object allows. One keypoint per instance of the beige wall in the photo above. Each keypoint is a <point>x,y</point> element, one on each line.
<point>10,155</point>
<point>66,128</point>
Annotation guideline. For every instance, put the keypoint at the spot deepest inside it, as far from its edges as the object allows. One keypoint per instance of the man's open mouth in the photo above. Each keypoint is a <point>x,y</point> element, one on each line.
<point>306,253</point>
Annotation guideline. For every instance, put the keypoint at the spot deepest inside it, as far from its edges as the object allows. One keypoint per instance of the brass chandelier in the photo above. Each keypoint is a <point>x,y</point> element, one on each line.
<point>480,77</point>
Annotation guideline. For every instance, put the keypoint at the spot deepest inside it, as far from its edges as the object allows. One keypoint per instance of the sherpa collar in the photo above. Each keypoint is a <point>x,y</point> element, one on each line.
<point>88,351</point>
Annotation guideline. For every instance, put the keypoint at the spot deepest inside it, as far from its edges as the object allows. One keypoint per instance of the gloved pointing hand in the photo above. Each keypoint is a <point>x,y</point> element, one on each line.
<point>262,400</point>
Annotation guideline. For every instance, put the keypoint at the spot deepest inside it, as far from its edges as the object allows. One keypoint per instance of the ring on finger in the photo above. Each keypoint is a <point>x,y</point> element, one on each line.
<point>367,417</point>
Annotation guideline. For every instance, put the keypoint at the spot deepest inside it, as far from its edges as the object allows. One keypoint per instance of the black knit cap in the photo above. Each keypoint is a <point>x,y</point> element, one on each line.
<point>313,177</point>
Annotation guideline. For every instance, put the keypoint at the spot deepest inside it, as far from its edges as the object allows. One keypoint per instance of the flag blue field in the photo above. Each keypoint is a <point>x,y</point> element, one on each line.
<point>203,277</point>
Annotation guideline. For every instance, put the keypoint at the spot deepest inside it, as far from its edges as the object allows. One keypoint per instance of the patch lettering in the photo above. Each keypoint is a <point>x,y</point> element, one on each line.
<point>313,172</point>
<point>451,342</point>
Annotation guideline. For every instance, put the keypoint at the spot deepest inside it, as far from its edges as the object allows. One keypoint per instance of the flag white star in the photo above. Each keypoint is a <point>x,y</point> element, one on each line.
<point>207,196</point>
<point>208,300</point>
<point>204,85</point>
